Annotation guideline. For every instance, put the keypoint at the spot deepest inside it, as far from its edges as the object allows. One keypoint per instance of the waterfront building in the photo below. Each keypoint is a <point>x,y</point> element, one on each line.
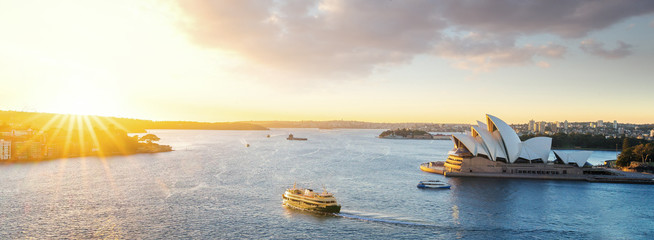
<point>27,150</point>
<point>493,149</point>
<point>5,149</point>
<point>496,141</point>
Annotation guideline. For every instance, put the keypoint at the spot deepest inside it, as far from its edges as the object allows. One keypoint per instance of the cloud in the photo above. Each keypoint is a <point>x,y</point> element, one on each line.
<point>357,37</point>
<point>566,18</point>
<point>316,37</point>
<point>482,52</point>
<point>597,49</point>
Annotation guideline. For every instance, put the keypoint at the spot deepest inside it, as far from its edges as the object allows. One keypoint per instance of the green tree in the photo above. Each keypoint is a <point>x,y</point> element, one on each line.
<point>644,152</point>
<point>625,144</point>
<point>149,138</point>
<point>625,157</point>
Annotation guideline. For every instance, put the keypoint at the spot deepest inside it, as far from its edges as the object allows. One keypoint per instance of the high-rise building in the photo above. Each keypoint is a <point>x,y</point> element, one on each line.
<point>565,126</point>
<point>615,124</point>
<point>600,123</point>
<point>555,127</point>
<point>531,125</point>
<point>651,133</point>
<point>541,127</point>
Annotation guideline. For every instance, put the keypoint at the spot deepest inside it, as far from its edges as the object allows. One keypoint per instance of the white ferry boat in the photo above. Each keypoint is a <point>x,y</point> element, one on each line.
<point>307,199</point>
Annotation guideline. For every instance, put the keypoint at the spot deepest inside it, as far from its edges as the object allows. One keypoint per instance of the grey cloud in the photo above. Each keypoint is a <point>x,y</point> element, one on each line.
<point>597,48</point>
<point>326,36</point>
<point>355,37</point>
<point>566,18</point>
<point>479,52</point>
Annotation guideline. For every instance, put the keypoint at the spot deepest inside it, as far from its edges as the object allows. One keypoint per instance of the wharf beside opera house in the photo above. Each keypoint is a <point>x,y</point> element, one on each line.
<point>493,149</point>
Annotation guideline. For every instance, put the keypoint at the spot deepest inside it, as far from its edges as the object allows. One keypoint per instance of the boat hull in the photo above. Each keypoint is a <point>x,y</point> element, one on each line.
<point>426,167</point>
<point>307,207</point>
<point>433,187</point>
<point>297,139</point>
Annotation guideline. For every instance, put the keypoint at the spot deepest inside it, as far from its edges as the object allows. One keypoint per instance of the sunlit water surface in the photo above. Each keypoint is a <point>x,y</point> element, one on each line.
<point>213,186</point>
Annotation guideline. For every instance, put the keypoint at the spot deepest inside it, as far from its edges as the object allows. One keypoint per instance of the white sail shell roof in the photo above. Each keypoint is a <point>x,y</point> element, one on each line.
<point>496,139</point>
<point>578,157</point>
<point>481,147</point>
<point>487,142</point>
<point>509,138</point>
<point>535,148</point>
<point>482,124</point>
<point>468,141</point>
<point>499,153</point>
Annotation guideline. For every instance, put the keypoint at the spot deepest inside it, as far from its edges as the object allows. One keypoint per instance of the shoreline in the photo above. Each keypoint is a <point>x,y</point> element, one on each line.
<point>589,149</point>
<point>162,149</point>
<point>619,177</point>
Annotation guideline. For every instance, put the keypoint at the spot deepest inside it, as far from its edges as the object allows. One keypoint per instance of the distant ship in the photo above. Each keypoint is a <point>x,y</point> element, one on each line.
<point>308,200</point>
<point>290,137</point>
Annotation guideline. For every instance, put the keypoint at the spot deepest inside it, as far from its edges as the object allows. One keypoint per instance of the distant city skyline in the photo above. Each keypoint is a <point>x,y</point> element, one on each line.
<point>373,61</point>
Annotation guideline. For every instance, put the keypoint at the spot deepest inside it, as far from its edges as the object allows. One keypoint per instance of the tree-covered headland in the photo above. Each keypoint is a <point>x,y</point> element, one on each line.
<point>643,153</point>
<point>404,133</point>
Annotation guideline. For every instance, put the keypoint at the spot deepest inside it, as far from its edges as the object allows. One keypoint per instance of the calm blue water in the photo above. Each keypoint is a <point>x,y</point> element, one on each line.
<point>213,186</point>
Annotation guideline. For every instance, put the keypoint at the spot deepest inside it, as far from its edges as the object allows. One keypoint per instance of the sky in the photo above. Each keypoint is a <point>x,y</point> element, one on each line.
<point>448,61</point>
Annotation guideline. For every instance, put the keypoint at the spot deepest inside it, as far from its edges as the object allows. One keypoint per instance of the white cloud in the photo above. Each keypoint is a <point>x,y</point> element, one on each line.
<point>356,37</point>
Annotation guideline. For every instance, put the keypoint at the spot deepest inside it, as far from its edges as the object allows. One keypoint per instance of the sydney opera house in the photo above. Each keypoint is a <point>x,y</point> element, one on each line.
<point>493,149</point>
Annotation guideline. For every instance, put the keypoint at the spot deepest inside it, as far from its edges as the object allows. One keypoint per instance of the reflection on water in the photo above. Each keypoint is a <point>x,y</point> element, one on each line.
<point>455,214</point>
<point>213,186</point>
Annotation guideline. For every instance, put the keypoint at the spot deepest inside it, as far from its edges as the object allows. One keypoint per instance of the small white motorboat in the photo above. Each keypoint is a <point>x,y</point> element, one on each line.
<point>433,184</point>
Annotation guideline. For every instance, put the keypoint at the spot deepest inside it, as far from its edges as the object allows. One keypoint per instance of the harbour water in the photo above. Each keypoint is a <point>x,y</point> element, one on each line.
<point>213,186</point>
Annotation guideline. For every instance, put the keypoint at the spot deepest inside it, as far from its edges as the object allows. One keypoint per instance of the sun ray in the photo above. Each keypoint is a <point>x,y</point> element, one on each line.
<point>45,127</point>
<point>116,123</point>
<point>55,135</point>
<point>91,131</point>
<point>51,121</point>
<point>69,136</point>
<point>82,150</point>
<point>34,117</point>
<point>60,175</point>
<point>119,145</point>
<point>101,154</point>
<point>80,134</point>
<point>26,145</point>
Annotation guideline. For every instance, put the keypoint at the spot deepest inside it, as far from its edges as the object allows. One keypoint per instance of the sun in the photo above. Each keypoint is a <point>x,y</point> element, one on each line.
<point>85,96</point>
